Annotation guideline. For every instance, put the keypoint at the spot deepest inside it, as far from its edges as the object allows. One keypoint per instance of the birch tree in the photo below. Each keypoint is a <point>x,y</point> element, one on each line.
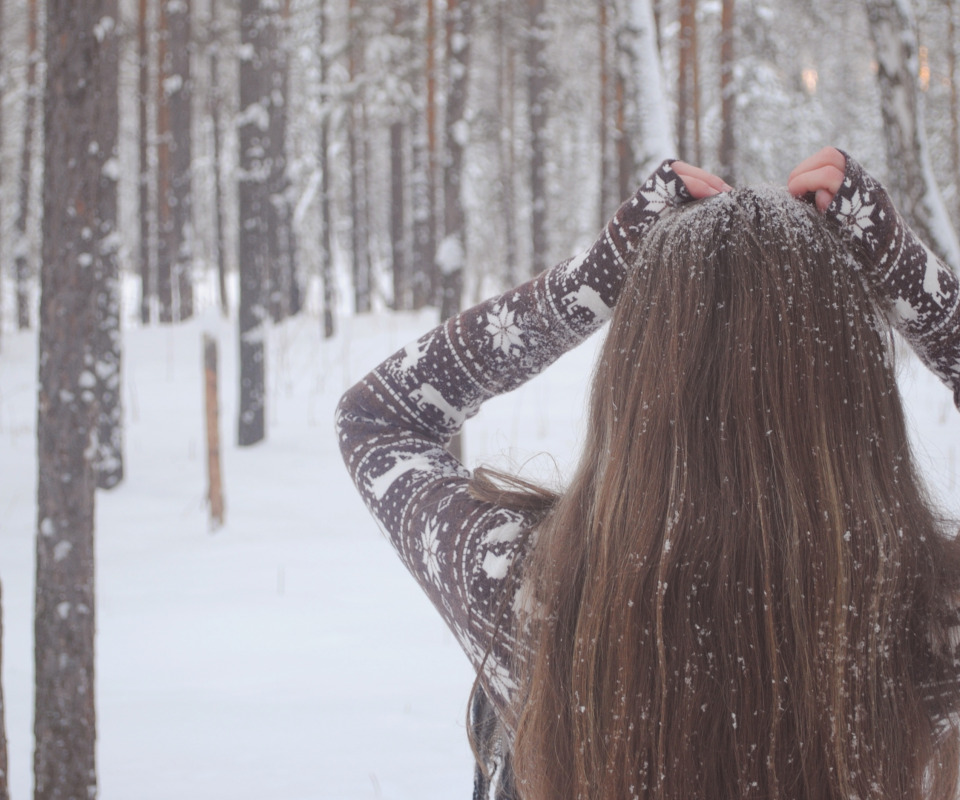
<point>638,63</point>
<point>80,52</point>
<point>910,177</point>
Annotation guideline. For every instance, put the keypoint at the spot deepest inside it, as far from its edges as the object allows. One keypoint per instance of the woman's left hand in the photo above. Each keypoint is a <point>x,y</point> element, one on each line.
<point>699,182</point>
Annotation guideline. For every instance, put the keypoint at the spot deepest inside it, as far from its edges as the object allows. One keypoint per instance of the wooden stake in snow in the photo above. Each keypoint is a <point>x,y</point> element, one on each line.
<point>215,486</point>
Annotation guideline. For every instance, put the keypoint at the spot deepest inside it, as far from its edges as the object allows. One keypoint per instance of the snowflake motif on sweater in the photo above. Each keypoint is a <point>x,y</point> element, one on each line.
<point>503,329</point>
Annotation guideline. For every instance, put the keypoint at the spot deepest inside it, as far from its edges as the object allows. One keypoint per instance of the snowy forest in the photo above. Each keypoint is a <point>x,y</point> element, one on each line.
<point>215,215</point>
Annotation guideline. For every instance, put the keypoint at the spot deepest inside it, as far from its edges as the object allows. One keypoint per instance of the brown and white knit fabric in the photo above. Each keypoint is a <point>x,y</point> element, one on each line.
<point>393,426</point>
<point>922,293</point>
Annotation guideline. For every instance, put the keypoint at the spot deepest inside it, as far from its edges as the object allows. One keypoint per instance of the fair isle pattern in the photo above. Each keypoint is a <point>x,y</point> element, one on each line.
<point>922,293</point>
<point>394,424</point>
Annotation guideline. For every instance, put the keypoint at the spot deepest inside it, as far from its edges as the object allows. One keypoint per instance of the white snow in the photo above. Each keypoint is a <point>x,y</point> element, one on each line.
<point>288,655</point>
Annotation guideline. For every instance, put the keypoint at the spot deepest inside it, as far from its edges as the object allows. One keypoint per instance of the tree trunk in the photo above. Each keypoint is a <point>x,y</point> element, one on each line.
<point>356,135</point>
<point>638,66</point>
<point>604,206</point>
<point>952,46</point>
<point>326,255</point>
<point>179,87</point>
<point>164,203</point>
<point>106,343</point>
<point>728,140</point>
<point>3,88</point>
<point>216,103</point>
<point>688,85</point>
<point>174,163</point>
<point>79,50</point>
<point>4,773</point>
<point>254,201</point>
<point>910,175</point>
<point>451,255</point>
<point>143,154</point>
<point>537,99</point>
<point>423,175</point>
<point>401,279</point>
<point>506,113</point>
<point>22,244</point>
<point>283,286</point>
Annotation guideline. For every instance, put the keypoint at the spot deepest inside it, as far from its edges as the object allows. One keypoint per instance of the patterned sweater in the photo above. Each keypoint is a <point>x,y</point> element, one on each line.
<point>394,424</point>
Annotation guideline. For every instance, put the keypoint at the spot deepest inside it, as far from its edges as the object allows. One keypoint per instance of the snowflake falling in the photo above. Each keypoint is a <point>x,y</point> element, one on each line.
<point>503,329</point>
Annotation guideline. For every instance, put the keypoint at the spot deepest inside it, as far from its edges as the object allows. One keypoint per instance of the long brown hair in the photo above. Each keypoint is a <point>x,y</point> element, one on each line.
<point>744,592</point>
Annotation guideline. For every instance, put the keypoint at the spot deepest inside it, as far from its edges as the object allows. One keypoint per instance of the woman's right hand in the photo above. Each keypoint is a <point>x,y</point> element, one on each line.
<point>820,175</point>
<point>921,293</point>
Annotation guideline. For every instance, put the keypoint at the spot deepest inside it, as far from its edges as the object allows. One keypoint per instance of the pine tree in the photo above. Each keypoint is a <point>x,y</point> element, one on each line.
<point>254,199</point>
<point>22,245</point>
<point>451,255</point>
<point>78,100</point>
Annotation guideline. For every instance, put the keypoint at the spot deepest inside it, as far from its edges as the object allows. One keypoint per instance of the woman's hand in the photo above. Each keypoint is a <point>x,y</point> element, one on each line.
<point>699,182</point>
<point>821,175</point>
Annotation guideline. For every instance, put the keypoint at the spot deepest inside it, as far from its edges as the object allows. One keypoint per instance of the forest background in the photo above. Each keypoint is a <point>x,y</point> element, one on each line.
<point>340,174</point>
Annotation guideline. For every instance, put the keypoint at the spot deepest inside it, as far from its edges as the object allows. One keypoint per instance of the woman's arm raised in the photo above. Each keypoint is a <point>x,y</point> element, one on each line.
<point>394,424</point>
<point>921,293</point>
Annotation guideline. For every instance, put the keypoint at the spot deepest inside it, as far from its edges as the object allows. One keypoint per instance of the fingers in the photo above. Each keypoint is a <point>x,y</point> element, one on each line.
<point>821,174</point>
<point>699,182</point>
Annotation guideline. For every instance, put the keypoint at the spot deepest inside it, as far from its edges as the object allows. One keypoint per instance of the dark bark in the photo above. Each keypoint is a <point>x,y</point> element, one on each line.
<point>179,86</point>
<point>75,104</point>
<point>452,254</point>
<point>326,255</point>
<point>356,146</point>
<point>174,163</point>
<point>216,103</point>
<point>604,206</point>
<point>728,141</point>
<point>164,185</point>
<point>143,155</point>
<point>537,76</point>
<point>254,202</point>
<point>506,108</point>
<point>401,278</point>
<point>24,272</point>
<point>284,290</point>
<point>423,276</point>
<point>688,86</point>
<point>952,48</point>
<point>106,344</point>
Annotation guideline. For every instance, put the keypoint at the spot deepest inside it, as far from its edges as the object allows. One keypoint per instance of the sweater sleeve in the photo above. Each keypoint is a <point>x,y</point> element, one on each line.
<point>921,293</point>
<point>394,424</point>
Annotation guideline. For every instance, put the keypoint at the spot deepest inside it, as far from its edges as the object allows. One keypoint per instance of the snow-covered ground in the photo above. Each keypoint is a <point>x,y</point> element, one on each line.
<point>286,655</point>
